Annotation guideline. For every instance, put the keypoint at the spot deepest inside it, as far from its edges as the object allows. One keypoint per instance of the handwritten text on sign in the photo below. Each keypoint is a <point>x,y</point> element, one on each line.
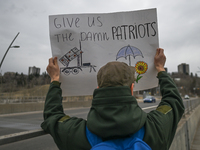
<point>118,32</point>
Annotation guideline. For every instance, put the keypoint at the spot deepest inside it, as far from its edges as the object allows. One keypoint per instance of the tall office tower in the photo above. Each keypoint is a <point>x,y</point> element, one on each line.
<point>184,68</point>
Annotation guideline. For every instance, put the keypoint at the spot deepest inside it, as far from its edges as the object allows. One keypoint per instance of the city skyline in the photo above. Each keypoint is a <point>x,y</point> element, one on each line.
<point>34,69</point>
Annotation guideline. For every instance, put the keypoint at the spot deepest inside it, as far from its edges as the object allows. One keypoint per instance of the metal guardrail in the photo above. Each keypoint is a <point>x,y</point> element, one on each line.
<point>25,99</point>
<point>190,105</point>
<point>36,99</point>
<point>10,138</point>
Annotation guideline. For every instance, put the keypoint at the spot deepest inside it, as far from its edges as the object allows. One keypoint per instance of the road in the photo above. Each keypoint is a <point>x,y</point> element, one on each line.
<point>13,123</point>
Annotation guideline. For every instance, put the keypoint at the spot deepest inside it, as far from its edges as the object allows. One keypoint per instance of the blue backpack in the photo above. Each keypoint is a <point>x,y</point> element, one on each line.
<point>134,142</point>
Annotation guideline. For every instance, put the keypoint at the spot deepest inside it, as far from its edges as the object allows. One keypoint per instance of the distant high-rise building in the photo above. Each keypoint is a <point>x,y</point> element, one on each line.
<point>33,70</point>
<point>184,68</point>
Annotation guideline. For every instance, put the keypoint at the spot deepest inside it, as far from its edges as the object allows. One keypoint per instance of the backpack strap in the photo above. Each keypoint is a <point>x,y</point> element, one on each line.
<point>134,142</point>
<point>139,134</point>
<point>93,138</point>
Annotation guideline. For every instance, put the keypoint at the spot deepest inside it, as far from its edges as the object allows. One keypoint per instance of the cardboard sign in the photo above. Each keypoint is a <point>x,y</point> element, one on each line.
<point>84,43</point>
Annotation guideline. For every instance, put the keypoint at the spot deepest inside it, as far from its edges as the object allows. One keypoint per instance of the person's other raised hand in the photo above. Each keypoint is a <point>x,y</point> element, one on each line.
<point>53,69</point>
<point>159,60</point>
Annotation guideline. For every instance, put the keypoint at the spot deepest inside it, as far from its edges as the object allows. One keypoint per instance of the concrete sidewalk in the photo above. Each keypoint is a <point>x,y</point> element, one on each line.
<point>196,141</point>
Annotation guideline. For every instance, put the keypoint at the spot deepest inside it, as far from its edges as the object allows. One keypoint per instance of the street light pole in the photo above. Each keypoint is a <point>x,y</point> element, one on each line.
<point>10,46</point>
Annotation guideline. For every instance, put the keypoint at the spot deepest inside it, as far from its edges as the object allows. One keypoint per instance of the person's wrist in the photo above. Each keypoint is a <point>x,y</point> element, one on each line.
<point>56,83</point>
<point>160,69</point>
<point>55,79</point>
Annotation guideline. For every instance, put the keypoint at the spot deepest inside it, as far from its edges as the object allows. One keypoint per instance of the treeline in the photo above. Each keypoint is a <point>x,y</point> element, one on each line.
<point>12,82</point>
<point>187,84</point>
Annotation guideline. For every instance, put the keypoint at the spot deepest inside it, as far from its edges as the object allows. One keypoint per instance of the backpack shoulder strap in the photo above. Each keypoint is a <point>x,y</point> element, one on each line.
<point>139,134</point>
<point>92,138</point>
<point>135,141</point>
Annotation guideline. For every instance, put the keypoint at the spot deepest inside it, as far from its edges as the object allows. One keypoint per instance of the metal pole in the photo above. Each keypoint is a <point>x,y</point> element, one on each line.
<point>8,49</point>
<point>188,108</point>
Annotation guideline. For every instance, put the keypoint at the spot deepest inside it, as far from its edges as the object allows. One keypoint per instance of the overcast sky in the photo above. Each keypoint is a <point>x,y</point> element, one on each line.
<point>178,26</point>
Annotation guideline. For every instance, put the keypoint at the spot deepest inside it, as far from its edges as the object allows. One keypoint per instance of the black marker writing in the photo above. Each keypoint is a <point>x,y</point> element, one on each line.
<point>94,21</point>
<point>133,31</point>
<point>90,36</point>
<point>153,23</point>
<point>66,22</point>
<point>64,37</point>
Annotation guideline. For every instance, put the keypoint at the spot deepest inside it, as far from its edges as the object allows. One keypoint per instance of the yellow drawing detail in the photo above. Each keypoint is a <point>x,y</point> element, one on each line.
<point>140,67</point>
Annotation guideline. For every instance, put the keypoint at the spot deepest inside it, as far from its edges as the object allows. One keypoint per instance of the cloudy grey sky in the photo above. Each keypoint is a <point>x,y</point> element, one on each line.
<point>178,25</point>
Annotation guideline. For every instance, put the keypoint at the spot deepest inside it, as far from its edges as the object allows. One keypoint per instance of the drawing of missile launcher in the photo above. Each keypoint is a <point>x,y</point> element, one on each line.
<point>71,55</point>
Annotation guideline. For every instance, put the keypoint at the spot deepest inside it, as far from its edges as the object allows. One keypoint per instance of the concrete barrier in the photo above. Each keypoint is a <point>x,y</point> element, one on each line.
<point>186,131</point>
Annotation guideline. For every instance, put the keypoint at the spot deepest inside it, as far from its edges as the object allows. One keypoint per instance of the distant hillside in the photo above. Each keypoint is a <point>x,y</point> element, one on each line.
<point>14,84</point>
<point>35,91</point>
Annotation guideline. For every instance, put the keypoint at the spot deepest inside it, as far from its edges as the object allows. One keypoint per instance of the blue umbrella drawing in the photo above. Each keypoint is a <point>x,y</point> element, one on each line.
<point>129,51</point>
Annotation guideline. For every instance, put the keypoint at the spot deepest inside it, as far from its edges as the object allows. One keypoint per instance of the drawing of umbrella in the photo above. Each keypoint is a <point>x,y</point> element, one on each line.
<point>129,51</point>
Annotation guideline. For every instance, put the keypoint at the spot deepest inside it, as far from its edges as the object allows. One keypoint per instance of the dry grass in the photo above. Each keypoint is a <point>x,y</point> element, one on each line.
<point>35,91</point>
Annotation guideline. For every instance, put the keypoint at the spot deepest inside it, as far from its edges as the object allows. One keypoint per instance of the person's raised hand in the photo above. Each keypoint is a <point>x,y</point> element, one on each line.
<point>159,60</point>
<point>53,69</point>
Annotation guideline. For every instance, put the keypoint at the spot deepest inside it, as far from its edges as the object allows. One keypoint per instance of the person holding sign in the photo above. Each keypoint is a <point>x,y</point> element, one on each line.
<point>114,113</point>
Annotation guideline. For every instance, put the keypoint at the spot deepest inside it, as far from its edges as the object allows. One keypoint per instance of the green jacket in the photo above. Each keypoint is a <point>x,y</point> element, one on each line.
<point>114,113</point>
